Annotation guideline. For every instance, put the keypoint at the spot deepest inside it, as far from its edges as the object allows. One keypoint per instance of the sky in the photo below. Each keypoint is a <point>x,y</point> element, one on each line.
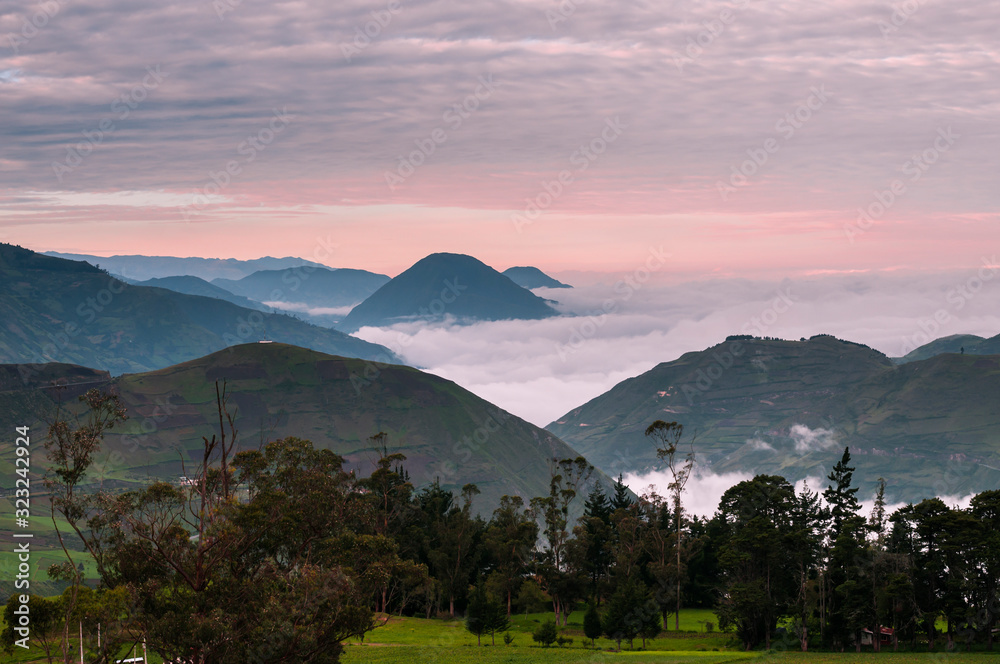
<point>753,140</point>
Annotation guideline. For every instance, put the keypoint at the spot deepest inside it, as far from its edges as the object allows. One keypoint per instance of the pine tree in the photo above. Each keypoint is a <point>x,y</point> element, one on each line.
<point>592,623</point>
<point>546,633</point>
<point>477,614</point>
<point>497,618</point>
<point>621,499</point>
<point>841,498</point>
<point>620,621</point>
<point>598,505</point>
<point>876,522</point>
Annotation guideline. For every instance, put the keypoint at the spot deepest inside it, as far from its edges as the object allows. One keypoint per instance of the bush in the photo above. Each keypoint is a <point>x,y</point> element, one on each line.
<point>562,640</point>
<point>532,599</point>
<point>508,638</point>
<point>592,623</point>
<point>546,633</point>
<point>709,627</point>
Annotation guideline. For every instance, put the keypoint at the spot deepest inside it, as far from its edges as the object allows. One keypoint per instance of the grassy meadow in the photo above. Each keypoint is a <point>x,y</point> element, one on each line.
<point>436,641</point>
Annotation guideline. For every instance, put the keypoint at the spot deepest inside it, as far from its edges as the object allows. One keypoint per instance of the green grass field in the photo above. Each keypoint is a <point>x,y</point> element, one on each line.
<point>420,641</point>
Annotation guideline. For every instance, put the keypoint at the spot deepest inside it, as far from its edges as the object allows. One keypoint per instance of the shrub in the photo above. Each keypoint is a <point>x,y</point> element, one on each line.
<point>546,633</point>
<point>592,623</point>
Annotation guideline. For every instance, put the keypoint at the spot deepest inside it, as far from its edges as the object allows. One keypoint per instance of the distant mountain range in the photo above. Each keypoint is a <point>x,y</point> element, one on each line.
<point>140,268</point>
<point>57,310</point>
<point>956,343</point>
<point>197,286</point>
<point>447,285</point>
<point>312,287</point>
<point>531,277</point>
<point>277,390</point>
<point>930,427</point>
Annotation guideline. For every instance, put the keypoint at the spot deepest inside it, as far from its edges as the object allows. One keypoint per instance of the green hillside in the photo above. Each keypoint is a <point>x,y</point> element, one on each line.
<point>956,343</point>
<point>279,390</point>
<point>57,310</point>
<point>790,407</point>
<point>443,285</point>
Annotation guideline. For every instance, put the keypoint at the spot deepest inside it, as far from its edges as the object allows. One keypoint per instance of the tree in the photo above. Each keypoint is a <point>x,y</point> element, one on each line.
<point>510,537</point>
<point>650,625</point>
<point>622,617</point>
<point>71,451</point>
<point>216,579</point>
<point>850,565</point>
<point>668,435</point>
<point>592,623</point>
<point>621,500</point>
<point>758,563</point>
<point>805,542</point>
<point>46,616</point>
<point>840,496</point>
<point>477,614</point>
<point>454,545</point>
<point>878,517</point>
<point>499,621</point>
<point>659,541</point>
<point>546,633</point>
<point>596,535</point>
<point>985,508</point>
<point>567,475</point>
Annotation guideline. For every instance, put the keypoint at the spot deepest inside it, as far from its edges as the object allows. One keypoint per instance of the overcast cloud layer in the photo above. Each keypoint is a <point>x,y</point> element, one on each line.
<point>746,133</point>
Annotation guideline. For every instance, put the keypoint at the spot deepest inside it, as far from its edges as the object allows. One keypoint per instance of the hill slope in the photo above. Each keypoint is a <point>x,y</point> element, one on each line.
<point>197,286</point>
<point>929,427</point>
<point>69,311</point>
<point>443,285</point>
<point>952,344</point>
<point>314,287</point>
<point>531,277</point>
<point>279,390</point>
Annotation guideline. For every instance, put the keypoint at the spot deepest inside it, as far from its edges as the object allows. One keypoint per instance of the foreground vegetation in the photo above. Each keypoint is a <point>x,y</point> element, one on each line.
<point>279,555</point>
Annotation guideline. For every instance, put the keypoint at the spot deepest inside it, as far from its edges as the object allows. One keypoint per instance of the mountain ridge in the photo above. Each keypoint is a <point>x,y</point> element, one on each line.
<point>68,311</point>
<point>789,408</point>
<point>278,390</point>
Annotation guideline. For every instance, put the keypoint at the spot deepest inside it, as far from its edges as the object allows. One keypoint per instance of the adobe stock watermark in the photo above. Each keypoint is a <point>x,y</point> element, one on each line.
<point>901,13</point>
<point>249,149</point>
<point>757,326</point>
<point>470,443</point>
<point>31,27</point>
<point>454,117</point>
<point>581,159</point>
<point>223,7</point>
<point>624,288</point>
<point>759,155</point>
<point>371,30</point>
<point>914,167</point>
<point>121,108</point>
<point>88,311</point>
<point>562,12</point>
<point>956,298</point>
<point>451,291</point>
<point>711,31</point>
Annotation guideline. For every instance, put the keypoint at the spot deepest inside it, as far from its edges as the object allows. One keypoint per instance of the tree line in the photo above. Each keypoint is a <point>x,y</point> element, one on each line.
<point>280,554</point>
